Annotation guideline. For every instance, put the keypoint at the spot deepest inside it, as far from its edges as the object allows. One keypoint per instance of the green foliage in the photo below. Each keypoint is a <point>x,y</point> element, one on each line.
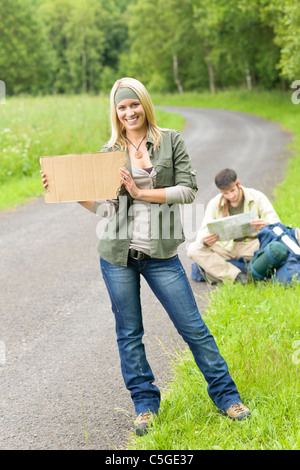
<point>284,16</point>
<point>24,46</point>
<point>33,127</point>
<point>85,43</point>
<point>63,46</point>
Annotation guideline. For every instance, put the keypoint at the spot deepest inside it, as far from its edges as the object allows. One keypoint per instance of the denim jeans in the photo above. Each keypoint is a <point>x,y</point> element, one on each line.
<point>169,282</point>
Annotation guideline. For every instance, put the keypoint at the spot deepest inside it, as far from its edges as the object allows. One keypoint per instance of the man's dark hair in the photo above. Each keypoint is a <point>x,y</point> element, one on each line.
<point>225,178</point>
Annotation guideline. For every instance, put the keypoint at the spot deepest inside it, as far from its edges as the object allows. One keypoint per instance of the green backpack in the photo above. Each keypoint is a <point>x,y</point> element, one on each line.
<point>267,260</point>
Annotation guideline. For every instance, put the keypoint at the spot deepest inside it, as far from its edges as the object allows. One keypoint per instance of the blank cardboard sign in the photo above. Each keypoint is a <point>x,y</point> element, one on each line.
<point>83,177</point>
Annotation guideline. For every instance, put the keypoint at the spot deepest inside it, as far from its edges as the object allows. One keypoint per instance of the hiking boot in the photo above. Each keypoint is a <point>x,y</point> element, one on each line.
<point>238,411</point>
<point>142,423</point>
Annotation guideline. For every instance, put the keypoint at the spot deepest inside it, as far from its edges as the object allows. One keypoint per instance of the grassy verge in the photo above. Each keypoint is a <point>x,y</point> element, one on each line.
<point>256,327</point>
<point>32,127</point>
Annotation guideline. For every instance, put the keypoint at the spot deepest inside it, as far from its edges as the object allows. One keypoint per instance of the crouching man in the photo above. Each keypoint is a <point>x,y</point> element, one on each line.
<point>213,255</point>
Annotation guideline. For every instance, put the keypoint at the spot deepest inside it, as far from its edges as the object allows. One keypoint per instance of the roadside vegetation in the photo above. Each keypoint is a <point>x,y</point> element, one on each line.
<point>31,127</point>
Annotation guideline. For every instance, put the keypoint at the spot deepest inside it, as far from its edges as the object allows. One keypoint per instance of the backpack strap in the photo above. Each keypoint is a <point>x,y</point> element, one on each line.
<point>287,240</point>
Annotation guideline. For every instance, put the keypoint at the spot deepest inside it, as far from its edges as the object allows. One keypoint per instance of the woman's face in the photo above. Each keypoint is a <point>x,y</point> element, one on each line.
<point>131,114</point>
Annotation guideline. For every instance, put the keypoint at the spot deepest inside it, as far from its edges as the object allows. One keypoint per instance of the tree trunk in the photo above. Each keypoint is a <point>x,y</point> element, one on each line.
<point>83,62</point>
<point>211,74</point>
<point>2,92</point>
<point>176,74</point>
<point>248,79</point>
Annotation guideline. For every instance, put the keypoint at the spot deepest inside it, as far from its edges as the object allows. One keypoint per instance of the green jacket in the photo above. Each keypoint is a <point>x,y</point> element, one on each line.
<point>173,167</point>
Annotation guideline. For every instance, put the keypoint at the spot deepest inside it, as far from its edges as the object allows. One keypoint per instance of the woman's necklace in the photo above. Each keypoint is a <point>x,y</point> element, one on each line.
<point>138,154</point>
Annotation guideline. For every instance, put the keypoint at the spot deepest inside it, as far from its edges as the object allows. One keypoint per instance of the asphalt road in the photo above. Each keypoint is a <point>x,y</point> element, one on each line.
<point>60,381</point>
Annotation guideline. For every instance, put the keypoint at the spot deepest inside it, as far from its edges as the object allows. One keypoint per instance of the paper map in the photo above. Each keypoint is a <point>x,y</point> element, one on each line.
<point>232,227</point>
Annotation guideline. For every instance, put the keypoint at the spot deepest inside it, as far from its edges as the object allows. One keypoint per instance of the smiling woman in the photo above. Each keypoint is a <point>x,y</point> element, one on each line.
<point>132,116</point>
<point>162,174</point>
<point>158,171</point>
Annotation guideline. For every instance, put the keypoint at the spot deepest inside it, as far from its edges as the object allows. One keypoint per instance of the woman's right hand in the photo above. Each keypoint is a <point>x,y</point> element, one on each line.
<point>44,179</point>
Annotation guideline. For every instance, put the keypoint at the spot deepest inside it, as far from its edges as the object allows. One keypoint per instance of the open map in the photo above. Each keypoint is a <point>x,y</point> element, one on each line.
<point>232,227</point>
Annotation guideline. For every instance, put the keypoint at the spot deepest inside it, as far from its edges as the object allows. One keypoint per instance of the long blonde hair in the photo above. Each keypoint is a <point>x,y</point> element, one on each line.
<point>118,136</point>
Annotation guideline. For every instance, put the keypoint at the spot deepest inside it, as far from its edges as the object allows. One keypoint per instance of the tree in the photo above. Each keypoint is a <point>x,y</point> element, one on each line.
<point>64,46</point>
<point>161,39</point>
<point>208,18</point>
<point>85,39</point>
<point>75,32</point>
<point>24,62</point>
<point>284,17</point>
<point>86,42</point>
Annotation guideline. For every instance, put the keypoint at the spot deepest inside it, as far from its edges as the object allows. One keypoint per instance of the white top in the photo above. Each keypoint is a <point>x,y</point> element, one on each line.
<point>140,210</point>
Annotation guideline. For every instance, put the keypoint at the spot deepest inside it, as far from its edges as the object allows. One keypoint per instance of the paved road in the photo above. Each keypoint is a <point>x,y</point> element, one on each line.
<point>60,374</point>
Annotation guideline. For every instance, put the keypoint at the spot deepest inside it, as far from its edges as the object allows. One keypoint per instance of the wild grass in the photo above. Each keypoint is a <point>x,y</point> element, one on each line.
<point>31,127</point>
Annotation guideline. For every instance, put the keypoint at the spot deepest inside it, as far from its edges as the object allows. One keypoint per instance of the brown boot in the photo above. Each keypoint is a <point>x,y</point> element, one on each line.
<point>238,411</point>
<point>142,423</point>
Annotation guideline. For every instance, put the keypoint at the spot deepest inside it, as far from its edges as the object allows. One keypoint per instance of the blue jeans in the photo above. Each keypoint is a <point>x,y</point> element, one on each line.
<point>169,282</point>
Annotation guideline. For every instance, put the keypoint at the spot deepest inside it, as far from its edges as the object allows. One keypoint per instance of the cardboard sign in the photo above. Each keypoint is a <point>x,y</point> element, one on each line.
<point>83,177</point>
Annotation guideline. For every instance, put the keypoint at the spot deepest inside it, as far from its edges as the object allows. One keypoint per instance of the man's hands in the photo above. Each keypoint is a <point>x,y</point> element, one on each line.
<point>211,239</point>
<point>258,224</point>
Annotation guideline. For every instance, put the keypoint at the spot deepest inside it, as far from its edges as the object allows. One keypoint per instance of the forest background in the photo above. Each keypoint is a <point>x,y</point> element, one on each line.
<point>67,46</point>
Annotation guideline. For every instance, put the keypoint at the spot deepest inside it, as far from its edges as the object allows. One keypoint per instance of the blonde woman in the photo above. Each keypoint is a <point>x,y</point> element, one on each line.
<point>142,239</point>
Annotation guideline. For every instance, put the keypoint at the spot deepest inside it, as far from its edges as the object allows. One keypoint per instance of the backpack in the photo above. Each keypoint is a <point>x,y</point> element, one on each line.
<point>268,259</point>
<point>290,270</point>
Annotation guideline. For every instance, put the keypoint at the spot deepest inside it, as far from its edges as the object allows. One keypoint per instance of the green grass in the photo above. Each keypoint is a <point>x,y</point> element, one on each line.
<point>33,127</point>
<point>256,327</point>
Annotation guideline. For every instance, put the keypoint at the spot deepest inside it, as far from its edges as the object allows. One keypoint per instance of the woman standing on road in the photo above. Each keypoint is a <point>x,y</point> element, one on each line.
<point>156,178</point>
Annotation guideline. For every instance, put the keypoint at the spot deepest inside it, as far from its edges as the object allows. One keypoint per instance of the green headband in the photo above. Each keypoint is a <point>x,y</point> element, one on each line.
<point>125,93</point>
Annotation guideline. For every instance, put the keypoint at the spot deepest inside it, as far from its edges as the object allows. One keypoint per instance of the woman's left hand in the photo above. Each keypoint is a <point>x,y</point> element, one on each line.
<point>129,184</point>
